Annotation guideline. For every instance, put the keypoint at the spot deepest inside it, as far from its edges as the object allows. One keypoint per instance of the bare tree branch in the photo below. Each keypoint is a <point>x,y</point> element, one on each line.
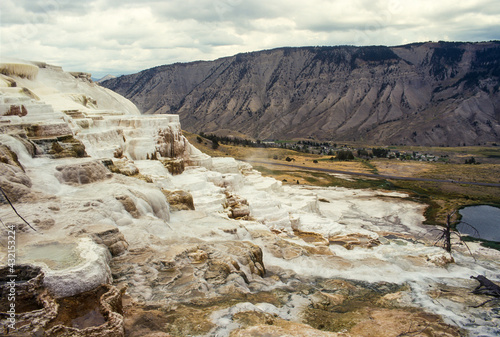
<point>11,205</point>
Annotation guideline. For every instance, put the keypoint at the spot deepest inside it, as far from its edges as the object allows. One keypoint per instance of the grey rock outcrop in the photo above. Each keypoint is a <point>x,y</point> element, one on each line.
<point>84,173</point>
<point>14,182</point>
<point>13,179</point>
<point>424,93</point>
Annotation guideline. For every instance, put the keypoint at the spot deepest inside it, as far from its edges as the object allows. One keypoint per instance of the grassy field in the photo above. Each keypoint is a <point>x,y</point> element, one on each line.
<point>441,197</point>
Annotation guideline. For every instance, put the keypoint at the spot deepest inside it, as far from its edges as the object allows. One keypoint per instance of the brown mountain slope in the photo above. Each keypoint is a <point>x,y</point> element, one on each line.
<point>427,93</point>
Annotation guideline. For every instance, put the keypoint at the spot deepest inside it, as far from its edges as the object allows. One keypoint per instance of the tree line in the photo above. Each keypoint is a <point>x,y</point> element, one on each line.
<point>217,140</point>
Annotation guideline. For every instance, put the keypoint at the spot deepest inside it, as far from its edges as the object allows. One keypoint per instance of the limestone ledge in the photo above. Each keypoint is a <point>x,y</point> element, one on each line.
<point>41,109</point>
<point>82,265</point>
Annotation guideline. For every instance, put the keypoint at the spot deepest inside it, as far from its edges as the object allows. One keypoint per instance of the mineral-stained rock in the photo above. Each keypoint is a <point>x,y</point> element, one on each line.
<point>370,309</point>
<point>351,240</point>
<point>287,249</point>
<point>28,279</point>
<point>142,322</point>
<point>238,207</point>
<point>44,224</point>
<point>94,313</point>
<point>182,272</point>
<point>15,175</point>
<point>84,173</point>
<point>240,212</point>
<point>123,166</point>
<point>255,255</point>
<point>325,301</point>
<point>173,165</point>
<point>48,130</point>
<point>284,328</point>
<point>60,147</point>
<point>392,323</point>
<point>129,205</point>
<point>35,307</point>
<point>118,248</point>
<point>17,110</point>
<point>199,256</point>
<point>246,253</point>
<point>16,134</point>
<point>217,272</point>
<point>459,295</point>
<point>151,321</point>
<point>169,141</point>
<point>9,157</point>
<point>311,237</point>
<point>179,200</point>
<point>109,236</point>
<point>84,76</point>
<point>440,259</point>
<point>156,334</point>
<point>153,197</point>
<point>14,182</point>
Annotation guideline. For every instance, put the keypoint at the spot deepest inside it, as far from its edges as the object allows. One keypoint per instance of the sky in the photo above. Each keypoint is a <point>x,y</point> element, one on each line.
<point>125,36</point>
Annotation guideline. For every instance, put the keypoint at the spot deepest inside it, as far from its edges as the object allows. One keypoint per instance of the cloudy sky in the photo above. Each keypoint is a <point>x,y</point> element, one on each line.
<point>126,36</point>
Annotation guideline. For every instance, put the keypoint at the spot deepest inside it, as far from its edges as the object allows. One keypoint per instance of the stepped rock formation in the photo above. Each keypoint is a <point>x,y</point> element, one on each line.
<point>425,93</point>
<point>63,114</point>
<point>139,234</point>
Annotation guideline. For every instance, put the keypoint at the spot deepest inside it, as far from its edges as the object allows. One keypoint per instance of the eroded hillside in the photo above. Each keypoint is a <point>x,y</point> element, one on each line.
<point>428,94</point>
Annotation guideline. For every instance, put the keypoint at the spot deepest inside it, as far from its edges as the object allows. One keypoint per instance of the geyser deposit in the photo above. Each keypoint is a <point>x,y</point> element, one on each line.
<point>140,234</point>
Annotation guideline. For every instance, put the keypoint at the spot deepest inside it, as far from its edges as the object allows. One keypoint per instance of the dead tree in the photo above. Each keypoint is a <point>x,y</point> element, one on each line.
<point>486,287</point>
<point>445,234</point>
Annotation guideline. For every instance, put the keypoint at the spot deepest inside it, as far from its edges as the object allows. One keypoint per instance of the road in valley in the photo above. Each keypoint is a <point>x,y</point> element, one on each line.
<point>371,175</point>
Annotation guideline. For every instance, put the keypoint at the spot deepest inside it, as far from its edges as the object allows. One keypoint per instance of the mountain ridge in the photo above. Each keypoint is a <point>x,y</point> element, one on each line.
<point>432,93</point>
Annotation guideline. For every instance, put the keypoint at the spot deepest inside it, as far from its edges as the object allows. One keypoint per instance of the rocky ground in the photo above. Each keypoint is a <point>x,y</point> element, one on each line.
<point>142,235</point>
<point>321,262</point>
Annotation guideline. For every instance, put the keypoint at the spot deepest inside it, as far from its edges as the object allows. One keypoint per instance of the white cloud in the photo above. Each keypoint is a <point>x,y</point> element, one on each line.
<point>123,36</point>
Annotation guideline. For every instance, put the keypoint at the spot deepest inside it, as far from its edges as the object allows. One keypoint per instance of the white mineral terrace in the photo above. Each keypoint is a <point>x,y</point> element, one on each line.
<point>73,263</point>
<point>272,206</point>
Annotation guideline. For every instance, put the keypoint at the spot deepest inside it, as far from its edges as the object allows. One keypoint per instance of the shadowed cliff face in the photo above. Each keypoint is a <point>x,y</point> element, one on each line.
<point>429,94</point>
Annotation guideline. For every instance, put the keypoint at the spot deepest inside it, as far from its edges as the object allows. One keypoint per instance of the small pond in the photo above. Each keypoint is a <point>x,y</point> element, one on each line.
<point>55,255</point>
<point>486,219</point>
